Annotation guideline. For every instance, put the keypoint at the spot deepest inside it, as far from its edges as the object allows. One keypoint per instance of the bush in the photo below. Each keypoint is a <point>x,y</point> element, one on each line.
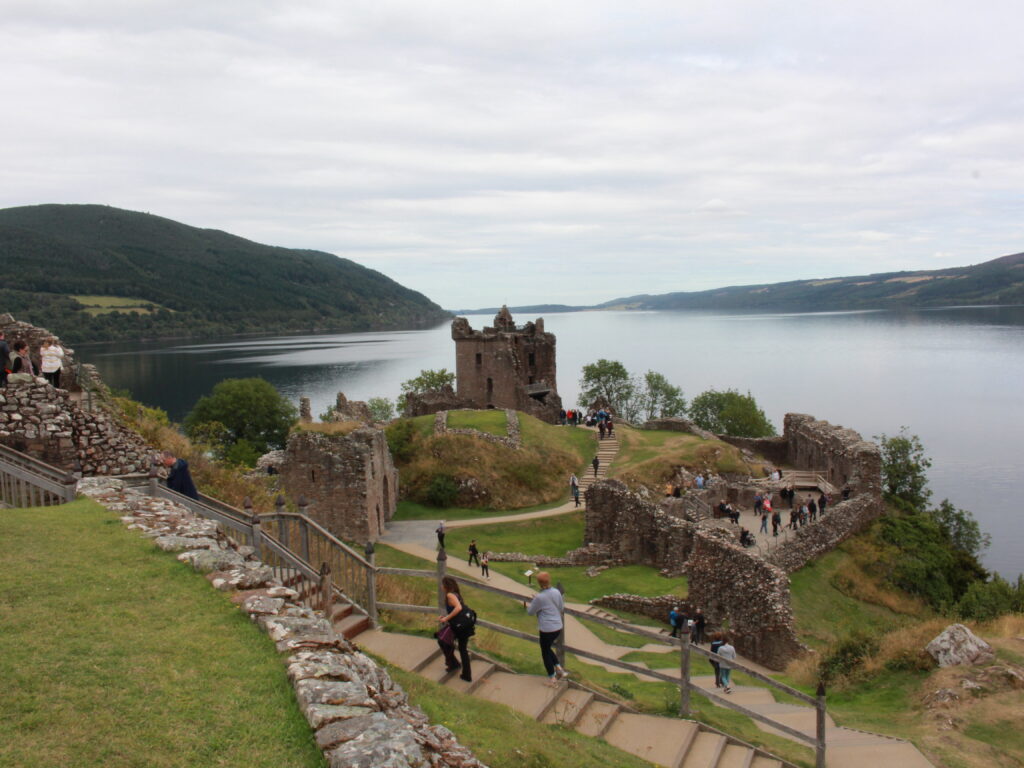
<point>909,660</point>
<point>442,491</point>
<point>986,600</point>
<point>400,436</point>
<point>249,409</point>
<point>847,658</point>
<point>730,413</point>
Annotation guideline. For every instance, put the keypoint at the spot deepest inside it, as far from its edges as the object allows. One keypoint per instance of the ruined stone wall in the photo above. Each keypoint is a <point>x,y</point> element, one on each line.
<point>774,449</point>
<point>656,608</point>
<point>745,593</point>
<point>636,529</point>
<point>847,459</point>
<point>512,438</point>
<point>34,336</point>
<point>46,423</point>
<point>846,519</point>
<point>677,424</point>
<point>496,366</point>
<point>349,480</point>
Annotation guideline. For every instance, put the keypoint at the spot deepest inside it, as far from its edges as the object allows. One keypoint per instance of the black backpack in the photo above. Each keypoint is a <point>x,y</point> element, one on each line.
<point>464,622</point>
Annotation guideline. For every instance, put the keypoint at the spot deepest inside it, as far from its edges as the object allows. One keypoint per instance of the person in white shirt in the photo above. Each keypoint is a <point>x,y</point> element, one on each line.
<point>728,653</point>
<point>52,358</point>
<point>547,607</point>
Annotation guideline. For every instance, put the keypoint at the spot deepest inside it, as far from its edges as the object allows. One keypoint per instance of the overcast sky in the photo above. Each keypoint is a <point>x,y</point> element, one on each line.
<point>523,152</point>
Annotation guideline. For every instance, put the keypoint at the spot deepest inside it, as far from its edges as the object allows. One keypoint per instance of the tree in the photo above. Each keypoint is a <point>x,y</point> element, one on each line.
<point>659,399</point>
<point>963,530</point>
<point>609,382</point>
<point>904,468</point>
<point>381,409</point>
<point>244,409</point>
<point>730,413</point>
<point>428,381</point>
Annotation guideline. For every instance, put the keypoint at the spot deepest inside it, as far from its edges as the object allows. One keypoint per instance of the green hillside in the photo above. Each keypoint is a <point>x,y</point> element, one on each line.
<point>1000,281</point>
<point>199,281</point>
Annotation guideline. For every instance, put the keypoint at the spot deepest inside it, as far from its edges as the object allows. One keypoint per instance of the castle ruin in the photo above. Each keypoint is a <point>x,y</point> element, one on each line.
<point>505,366</point>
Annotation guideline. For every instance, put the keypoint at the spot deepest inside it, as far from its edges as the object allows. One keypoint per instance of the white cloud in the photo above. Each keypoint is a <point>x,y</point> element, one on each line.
<point>601,148</point>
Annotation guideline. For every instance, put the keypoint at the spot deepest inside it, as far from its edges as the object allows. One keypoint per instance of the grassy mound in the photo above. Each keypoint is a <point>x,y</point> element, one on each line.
<point>466,471</point>
<point>114,654</point>
<point>650,457</point>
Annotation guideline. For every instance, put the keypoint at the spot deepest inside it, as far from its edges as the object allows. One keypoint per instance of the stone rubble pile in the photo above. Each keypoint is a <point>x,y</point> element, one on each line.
<point>362,718</point>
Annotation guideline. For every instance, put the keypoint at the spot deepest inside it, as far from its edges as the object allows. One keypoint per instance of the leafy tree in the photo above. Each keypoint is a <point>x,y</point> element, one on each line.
<point>986,600</point>
<point>730,413</point>
<point>381,408</point>
<point>963,530</point>
<point>608,381</point>
<point>904,468</point>
<point>428,381</point>
<point>245,409</point>
<point>659,399</point>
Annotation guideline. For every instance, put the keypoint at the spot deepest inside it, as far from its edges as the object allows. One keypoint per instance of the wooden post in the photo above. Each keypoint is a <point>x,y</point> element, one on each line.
<point>70,486</point>
<point>304,526</point>
<point>684,673</point>
<point>371,584</point>
<point>154,480</point>
<point>560,642</point>
<point>442,566</point>
<point>255,530</point>
<point>327,591</point>
<point>819,748</point>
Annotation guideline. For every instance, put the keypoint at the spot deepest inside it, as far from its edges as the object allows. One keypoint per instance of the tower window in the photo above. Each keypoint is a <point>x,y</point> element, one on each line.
<point>533,359</point>
<point>479,359</point>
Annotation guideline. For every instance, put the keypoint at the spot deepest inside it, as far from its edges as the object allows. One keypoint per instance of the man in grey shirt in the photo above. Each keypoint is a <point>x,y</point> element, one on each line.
<point>547,607</point>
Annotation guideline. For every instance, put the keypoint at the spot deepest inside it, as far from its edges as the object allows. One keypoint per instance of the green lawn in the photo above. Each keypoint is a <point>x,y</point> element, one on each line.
<point>410,510</point>
<point>493,422</point>
<point>113,654</point>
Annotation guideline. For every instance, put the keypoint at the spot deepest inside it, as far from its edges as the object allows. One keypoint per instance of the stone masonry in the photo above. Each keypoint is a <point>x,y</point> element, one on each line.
<point>506,366</point>
<point>15,330</point>
<point>350,481</point>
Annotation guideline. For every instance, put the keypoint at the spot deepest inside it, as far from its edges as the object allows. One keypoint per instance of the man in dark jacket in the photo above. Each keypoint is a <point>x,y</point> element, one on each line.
<point>179,478</point>
<point>5,359</point>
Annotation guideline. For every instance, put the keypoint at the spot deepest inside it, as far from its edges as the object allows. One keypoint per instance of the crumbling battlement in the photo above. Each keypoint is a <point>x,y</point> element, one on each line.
<point>46,423</point>
<point>349,480</point>
<point>15,330</point>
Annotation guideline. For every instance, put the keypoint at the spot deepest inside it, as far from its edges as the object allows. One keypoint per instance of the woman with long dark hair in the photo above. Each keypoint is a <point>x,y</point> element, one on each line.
<point>459,632</point>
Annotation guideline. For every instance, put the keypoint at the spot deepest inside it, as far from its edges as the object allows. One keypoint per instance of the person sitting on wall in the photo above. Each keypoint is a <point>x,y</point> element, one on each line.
<point>746,538</point>
<point>179,479</point>
<point>23,370</point>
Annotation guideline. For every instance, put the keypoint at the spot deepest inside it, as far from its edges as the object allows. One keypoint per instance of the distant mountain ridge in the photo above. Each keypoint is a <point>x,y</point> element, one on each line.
<point>999,281</point>
<point>188,281</point>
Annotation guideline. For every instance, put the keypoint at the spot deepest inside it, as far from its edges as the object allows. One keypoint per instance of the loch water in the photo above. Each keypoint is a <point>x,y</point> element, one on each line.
<point>952,376</point>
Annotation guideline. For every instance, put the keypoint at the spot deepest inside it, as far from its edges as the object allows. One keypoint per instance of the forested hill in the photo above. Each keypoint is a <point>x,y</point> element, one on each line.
<point>141,276</point>
<point>1000,281</point>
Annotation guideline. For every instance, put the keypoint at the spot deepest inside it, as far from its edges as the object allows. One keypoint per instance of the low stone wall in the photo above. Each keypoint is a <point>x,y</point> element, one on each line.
<point>676,424</point>
<point>44,422</point>
<point>512,438</point>
<point>591,554</point>
<point>774,449</point>
<point>839,523</point>
<point>361,717</point>
<point>745,594</point>
<point>34,336</point>
<point>656,608</point>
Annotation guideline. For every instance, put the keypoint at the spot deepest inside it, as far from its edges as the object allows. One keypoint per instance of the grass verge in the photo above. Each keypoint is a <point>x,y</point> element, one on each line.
<point>113,654</point>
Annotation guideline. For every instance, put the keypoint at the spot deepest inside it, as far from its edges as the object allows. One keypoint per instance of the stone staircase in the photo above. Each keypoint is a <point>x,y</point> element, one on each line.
<point>607,450</point>
<point>663,741</point>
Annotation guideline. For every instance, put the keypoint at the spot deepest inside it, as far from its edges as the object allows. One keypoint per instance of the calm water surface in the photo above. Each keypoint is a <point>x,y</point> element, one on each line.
<point>953,376</point>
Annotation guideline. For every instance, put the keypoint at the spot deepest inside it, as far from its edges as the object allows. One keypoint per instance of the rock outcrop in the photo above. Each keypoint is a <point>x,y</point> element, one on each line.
<point>956,644</point>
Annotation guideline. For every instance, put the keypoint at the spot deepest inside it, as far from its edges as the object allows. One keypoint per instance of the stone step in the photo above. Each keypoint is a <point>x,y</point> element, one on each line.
<point>704,751</point>
<point>597,717</point>
<point>568,707</point>
<point>735,756</point>
<point>760,761</point>
<point>481,671</point>
<point>352,625</point>
<point>404,651</point>
<point>655,739</point>
<point>528,694</point>
<point>341,610</point>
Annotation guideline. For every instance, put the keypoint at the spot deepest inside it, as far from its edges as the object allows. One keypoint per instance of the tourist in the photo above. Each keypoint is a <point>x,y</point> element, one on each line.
<point>776,522</point>
<point>699,623</point>
<point>179,479</point>
<point>600,429</point>
<point>23,370</point>
<point>822,502</point>
<point>716,643</point>
<point>746,538</point>
<point>758,503</point>
<point>764,522</point>
<point>474,553</point>
<point>595,464</point>
<point>5,357</point>
<point>728,653</point>
<point>792,495</point>
<point>609,427</point>
<point>440,534</point>
<point>52,358</point>
<point>673,621</point>
<point>547,606</point>
<point>485,568</point>
<point>461,630</point>
<point>723,508</point>
<point>576,493</point>
<point>700,481</point>
<point>812,508</point>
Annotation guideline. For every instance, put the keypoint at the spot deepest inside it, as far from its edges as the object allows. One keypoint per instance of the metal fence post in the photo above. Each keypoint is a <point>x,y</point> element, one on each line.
<point>371,584</point>
<point>819,748</point>
<point>684,673</point>
<point>442,566</point>
<point>560,640</point>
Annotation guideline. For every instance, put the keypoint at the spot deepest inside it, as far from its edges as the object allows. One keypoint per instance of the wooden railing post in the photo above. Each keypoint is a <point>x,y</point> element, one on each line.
<point>327,591</point>
<point>154,479</point>
<point>371,584</point>
<point>304,529</point>
<point>442,566</point>
<point>255,532</point>
<point>560,641</point>
<point>819,748</point>
<point>70,487</point>
<point>684,673</point>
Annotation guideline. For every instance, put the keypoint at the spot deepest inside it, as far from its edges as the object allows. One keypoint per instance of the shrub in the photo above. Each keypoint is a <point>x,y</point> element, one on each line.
<point>987,600</point>
<point>442,491</point>
<point>910,660</point>
<point>847,658</point>
<point>400,435</point>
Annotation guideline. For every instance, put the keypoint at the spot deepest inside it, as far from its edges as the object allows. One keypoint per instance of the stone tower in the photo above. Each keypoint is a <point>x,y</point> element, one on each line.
<point>506,366</point>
